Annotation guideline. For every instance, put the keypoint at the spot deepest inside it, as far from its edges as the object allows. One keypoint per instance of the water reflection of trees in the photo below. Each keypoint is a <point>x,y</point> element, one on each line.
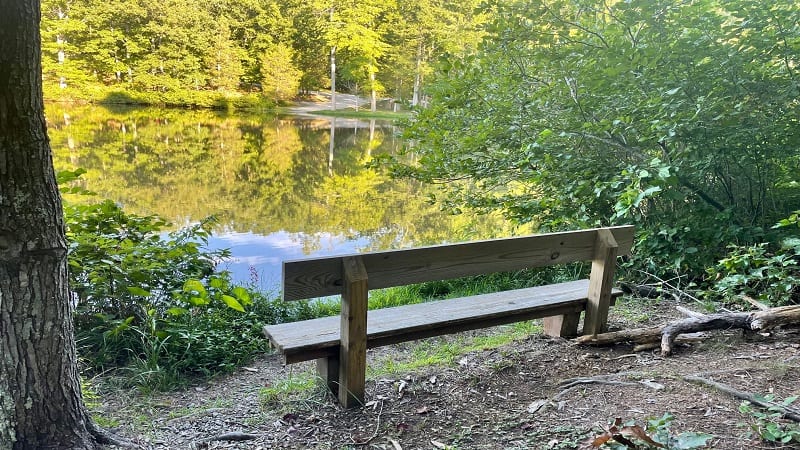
<point>259,174</point>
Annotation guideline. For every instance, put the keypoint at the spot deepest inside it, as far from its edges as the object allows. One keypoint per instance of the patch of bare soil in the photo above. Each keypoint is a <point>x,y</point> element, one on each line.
<point>525,395</point>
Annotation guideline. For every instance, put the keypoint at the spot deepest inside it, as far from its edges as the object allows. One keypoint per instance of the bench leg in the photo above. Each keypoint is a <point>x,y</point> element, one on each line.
<point>353,339</point>
<point>600,281</point>
<point>565,325</point>
<point>328,373</point>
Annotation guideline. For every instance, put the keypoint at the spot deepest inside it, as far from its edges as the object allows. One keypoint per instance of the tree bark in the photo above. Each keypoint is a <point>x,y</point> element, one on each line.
<point>373,97</point>
<point>40,394</point>
<point>415,95</point>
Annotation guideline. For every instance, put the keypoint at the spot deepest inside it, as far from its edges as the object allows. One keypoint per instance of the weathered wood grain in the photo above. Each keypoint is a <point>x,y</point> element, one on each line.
<point>353,325</point>
<point>600,281</point>
<point>318,277</point>
<point>319,338</point>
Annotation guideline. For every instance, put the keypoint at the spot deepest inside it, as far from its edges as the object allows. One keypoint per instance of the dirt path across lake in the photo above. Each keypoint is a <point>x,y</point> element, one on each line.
<point>322,102</point>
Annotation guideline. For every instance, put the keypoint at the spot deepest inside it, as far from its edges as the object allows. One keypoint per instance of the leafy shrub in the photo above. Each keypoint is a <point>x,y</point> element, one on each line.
<point>766,272</point>
<point>154,300</point>
<point>769,424</point>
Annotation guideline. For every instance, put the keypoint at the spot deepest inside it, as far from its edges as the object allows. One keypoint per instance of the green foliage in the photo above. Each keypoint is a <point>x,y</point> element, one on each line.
<point>154,301</point>
<point>656,434</point>
<point>791,221</point>
<point>769,424</point>
<point>288,389</point>
<point>280,78</point>
<point>765,271</point>
<point>190,52</point>
<point>772,277</point>
<point>678,117</point>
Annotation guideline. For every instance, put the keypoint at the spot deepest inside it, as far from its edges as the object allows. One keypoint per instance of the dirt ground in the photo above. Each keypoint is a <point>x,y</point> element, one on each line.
<point>516,396</point>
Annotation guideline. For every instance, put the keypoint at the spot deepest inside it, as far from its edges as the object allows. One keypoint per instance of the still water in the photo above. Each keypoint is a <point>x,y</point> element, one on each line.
<point>281,187</point>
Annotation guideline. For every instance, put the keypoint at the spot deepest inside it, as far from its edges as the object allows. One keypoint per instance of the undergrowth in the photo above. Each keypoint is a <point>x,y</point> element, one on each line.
<point>768,271</point>
<point>152,306</point>
<point>769,424</point>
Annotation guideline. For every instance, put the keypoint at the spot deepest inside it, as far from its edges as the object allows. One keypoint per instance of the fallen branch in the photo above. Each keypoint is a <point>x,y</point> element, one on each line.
<point>683,339</point>
<point>636,335</point>
<point>644,338</point>
<point>756,321</point>
<point>787,411</point>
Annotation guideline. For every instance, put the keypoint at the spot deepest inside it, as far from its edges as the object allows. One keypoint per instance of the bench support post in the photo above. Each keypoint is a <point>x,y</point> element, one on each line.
<point>600,281</point>
<point>328,373</point>
<point>565,325</point>
<point>353,346</point>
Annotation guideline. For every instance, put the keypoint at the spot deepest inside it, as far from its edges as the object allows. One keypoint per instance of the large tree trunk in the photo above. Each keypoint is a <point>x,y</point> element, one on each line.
<point>40,395</point>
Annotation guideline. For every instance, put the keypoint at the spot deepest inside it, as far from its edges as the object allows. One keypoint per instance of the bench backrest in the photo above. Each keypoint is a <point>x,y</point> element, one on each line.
<point>319,277</point>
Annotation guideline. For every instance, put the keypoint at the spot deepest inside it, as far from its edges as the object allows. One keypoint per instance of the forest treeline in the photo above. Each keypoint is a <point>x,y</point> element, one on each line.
<point>679,117</point>
<point>202,52</point>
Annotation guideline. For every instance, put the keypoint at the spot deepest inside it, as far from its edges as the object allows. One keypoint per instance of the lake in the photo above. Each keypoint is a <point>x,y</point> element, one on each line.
<point>281,187</point>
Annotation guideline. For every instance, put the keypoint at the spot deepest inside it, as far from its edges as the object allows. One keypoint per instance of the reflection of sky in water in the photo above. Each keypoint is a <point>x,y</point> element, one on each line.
<point>265,253</point>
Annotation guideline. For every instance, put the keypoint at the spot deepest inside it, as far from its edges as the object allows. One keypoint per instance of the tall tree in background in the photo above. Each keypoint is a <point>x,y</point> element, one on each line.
<point>354,29</point>
<point>418,32</point>
<point>680,117</point>
<point>40,394</point>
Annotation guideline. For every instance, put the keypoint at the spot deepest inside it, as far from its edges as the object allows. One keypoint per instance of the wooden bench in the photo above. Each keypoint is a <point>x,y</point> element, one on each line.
<point>339,344</point>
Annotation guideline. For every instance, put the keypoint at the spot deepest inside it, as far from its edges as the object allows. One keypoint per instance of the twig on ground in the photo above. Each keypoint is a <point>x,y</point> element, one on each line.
<point>234,436</point>
<point>787,411</point>
<point>688,312</point>
<point>374,434</point>
<point>755,303</point>
<point>571,384</point>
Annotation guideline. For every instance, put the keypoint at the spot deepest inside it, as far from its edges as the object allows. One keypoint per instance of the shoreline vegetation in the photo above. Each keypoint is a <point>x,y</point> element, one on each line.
<point>187,99</point>
<point>213,100</point>
<point>351,113</point>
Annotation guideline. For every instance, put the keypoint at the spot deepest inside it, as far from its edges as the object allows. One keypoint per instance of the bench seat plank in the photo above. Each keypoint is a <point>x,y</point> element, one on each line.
<point>318,338</point>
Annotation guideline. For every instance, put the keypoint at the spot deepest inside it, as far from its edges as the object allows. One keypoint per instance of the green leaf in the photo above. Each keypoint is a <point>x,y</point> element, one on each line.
<point>175,311</point>
<point>232,303</point>
<point>242,294</point>
<point>194,286</point>
<point>135,290</point>
<point>692,440</point>
<point>216,282</point>
<point>198,301</point>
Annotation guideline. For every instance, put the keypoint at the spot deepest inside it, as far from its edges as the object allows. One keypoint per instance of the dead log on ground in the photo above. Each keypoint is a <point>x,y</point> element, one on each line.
<point>755,321</point>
